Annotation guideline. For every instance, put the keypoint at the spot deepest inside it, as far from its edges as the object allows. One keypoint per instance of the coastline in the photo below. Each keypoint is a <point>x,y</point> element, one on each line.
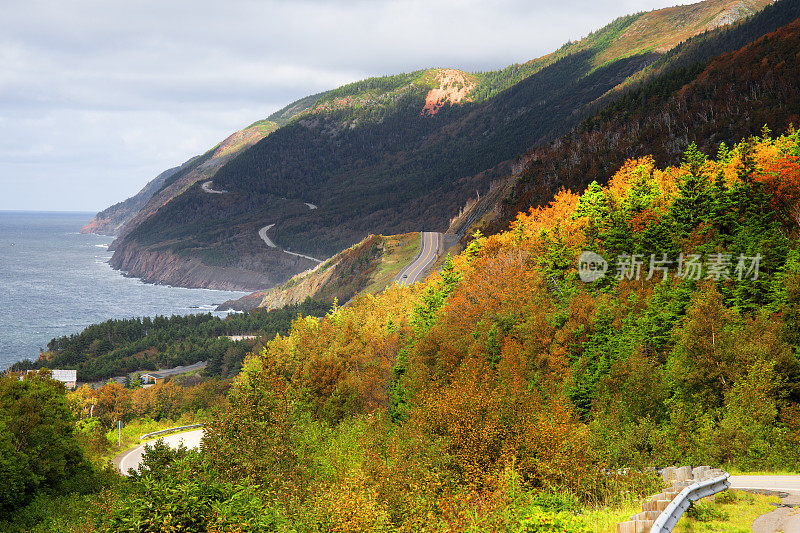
<point>58,281</point>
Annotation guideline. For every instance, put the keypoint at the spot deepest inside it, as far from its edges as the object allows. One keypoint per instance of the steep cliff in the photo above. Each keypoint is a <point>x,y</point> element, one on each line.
<point>165,266</point>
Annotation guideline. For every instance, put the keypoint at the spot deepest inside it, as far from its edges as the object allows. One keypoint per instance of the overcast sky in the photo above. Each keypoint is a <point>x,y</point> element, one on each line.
<point>97,97</point>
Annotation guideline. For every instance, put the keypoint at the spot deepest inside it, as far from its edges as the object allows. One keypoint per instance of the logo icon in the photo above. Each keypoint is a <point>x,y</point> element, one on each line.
<point>591,267</point>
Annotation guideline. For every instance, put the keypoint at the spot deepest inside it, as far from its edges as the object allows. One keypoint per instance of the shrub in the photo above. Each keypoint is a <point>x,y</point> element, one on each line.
<point>543,521</point>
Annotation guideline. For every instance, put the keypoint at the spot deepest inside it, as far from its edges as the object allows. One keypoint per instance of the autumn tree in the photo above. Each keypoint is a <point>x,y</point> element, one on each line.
<point>114,404</point>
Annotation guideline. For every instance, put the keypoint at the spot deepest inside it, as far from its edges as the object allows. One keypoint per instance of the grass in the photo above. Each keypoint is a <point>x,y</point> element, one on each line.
<point>400,251</point>
<point>733,511</point>
<point>736,472</point>
<point>605,520</point>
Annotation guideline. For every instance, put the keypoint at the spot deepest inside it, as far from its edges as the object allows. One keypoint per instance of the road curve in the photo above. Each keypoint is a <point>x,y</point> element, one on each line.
<point>133,457</point>
<point>206,186</point>
<point>784,518</point>
<point>417,269</point>
<point>263,234</point>
<point>776,483</point>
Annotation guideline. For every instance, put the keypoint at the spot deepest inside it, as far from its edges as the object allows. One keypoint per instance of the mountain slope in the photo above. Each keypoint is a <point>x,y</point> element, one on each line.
<point>368,266</point>
<point>110,220</point>
<point>203,167</point>
<point>708,102</point>
<point>117,219</point>
<point>386,155</point>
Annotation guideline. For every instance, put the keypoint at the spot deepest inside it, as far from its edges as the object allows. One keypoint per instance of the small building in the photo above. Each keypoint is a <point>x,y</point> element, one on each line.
<point>237,338</point>
<point>68,377</point>
<point>154,377</point>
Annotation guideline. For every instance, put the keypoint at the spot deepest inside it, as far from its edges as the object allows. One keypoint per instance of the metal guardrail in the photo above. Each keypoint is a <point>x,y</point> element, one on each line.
<point>696,491</point>
<point>169,430</point>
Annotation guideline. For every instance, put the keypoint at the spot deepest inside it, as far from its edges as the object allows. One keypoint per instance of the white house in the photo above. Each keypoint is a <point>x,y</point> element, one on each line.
<point>68,377</point>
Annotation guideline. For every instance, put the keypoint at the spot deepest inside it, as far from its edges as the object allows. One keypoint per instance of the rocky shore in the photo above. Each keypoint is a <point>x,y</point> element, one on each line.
<point>166,267</point>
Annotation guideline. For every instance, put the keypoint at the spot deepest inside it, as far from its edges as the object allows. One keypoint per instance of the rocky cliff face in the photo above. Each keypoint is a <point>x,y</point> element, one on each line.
<point>168,268</point>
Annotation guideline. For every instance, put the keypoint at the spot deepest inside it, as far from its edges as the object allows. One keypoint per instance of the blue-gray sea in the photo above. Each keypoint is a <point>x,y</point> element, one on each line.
<point>55,281</point>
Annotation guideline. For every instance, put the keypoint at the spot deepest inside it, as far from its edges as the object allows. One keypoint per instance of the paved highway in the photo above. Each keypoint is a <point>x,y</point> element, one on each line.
<point>263,234</point>
<point>776,483</point>
<point>785,518</point>
<point>417,269</point>
<point>207,188</point>
<point>132,458</point>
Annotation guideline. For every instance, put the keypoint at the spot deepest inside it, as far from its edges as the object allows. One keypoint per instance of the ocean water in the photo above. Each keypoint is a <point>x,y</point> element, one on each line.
<point>55,281</point>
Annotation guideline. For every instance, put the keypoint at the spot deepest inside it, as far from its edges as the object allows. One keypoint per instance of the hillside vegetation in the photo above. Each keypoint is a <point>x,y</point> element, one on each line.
<point>120,347</point>
<point>369,266</point>
<point>375,158</point>
<point>508,366</point>
<point>723,86</point>
<point>634,303</point>
<point>505,393</point>
<point>110,221</point>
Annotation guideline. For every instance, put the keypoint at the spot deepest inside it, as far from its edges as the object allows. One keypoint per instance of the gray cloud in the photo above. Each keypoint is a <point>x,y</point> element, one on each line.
<point>98,96</point>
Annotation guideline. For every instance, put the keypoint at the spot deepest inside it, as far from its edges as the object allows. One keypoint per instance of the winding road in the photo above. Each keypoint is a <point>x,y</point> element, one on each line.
<point>206,186</point>
<point>263,234</point>
<point>417,269</point>
<point>785,518</point>
<point>133,457</point>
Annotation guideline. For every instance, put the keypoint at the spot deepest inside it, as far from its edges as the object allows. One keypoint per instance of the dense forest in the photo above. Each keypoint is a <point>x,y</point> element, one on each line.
<point>120,347</point>
<point>635,304</point>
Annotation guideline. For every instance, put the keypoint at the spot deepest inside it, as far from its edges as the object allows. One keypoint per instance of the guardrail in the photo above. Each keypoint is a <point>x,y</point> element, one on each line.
<point>169,430</point>
<point>696,491</point>
<point>662,511</point>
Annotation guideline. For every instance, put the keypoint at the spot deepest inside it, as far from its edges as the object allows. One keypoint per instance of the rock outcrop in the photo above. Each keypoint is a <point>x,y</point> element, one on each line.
<point>168,268</point>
